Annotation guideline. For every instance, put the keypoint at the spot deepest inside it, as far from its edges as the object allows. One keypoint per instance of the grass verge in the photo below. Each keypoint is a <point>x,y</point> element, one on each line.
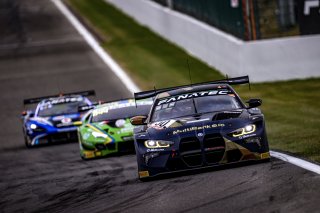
<point>291,108</point>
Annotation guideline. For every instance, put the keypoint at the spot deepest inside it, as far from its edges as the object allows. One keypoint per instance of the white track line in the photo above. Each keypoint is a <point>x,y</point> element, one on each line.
<point>132,87</point>
<point>296,161</point>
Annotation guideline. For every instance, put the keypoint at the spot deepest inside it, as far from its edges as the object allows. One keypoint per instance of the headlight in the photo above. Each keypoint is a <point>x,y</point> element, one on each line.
<point>33,126</point>
<point>245,130</point>
<point>152,144</point>
<point>99,135</point>
<point>120,123</point>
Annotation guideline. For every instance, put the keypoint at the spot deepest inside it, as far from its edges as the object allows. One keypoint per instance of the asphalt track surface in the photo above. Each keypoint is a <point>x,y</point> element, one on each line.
<point>41,55</point>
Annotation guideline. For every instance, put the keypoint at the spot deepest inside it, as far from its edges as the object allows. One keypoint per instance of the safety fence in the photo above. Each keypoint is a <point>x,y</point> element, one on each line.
<point>254,19</point>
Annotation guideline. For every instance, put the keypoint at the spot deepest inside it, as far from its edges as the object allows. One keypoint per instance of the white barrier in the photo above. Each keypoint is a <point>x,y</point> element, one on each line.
<point>264,60</point>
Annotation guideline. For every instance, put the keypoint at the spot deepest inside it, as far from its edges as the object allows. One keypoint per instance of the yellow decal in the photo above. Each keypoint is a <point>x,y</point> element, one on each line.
<point>77,123</point>
<point>94,128</point>
<point>100,111</point>
<point>98,153</point>
<point>88,154</point>
<point>143,174</point>
<point>197,128</point>
<point>265,155</point>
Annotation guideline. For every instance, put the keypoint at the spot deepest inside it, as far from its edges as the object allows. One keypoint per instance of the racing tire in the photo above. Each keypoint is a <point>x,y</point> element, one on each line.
<point>28,145</point>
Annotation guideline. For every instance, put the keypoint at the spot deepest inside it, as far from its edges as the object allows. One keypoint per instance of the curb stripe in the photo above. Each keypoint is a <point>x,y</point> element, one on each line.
<point>132,87</point>
<point>297,161</point>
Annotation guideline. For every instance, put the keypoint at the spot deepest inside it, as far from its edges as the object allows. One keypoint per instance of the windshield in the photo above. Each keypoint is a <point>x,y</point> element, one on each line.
<point>105,114</point>
<point>60,108</point>
<point>194,105</point>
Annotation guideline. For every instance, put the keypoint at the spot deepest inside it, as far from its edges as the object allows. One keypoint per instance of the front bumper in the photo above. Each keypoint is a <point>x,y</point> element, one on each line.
<point>193,153</point>
<point>57,136</point>
<point>102,150</point>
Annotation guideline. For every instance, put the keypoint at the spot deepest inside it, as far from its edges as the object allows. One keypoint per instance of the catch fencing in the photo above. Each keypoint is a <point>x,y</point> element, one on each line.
<point>254,19</point>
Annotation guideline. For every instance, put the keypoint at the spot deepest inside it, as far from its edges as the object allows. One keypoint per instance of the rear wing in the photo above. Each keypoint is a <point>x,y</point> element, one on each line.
<point>230,81</point>
<point>38,99</point>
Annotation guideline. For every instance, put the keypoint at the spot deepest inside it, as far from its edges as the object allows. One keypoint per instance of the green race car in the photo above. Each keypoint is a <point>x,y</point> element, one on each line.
<point>106,129</point>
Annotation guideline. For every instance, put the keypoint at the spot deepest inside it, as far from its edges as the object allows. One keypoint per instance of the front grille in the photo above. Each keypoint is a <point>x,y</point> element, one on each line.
<point>189,144</point>
<point>59,137</point>
<point>111,146</point>
<point>100,146</point>
<point>190,150</point>
<point>193,154</point>
<point>64,136</point>
<point>214,148</point>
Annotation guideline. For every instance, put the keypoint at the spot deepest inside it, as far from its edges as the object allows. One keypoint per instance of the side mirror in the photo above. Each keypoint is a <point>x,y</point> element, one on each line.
<point>254,102</point>
<point>27,112</point>
<point>138,120</point>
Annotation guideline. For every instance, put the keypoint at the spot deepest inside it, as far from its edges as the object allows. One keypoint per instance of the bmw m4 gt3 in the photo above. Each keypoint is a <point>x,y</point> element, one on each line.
<point>197,126</point>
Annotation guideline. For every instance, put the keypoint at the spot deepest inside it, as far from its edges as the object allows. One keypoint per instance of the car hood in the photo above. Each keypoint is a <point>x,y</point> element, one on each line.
<point>225,121</point>
<point>58,121</point>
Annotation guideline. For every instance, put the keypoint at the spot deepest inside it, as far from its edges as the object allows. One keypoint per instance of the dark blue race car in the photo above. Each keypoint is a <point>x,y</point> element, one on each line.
<point>55,118</point>
<point>197,126</point>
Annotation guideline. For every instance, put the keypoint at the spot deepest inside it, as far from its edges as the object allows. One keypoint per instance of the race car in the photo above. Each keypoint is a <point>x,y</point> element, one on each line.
<point>106,129</point>
<point>198,126</point>
<point>55,118</point>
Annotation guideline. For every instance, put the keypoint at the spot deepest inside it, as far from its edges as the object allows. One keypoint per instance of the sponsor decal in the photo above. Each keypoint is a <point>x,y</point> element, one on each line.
<point>155,150</point>
<point>66,120</point>
<point>63,100</point>
<point>100,111</point>
<point>194,128</point>
<point>163,124</point>
<point>193,95</point>
<point>143,174</point>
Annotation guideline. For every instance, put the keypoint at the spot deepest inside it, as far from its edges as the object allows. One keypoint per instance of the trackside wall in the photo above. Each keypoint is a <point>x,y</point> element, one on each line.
<point>263,60</point>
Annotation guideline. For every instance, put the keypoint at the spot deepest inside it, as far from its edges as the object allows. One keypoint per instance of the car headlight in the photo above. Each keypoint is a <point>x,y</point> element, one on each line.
<point>245,130</point>
<point>99,135</point>
<point>153,144</point>
<point>33,126</point>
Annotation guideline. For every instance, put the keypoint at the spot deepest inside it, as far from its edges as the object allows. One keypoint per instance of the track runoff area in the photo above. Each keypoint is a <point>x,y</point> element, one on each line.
<point>132,87</point>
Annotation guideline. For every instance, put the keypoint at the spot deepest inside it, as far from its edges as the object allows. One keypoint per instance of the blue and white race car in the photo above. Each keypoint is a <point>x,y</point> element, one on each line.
<point>55,118</point>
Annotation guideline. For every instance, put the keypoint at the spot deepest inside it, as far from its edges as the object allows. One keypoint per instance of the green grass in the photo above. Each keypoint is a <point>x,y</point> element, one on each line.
<point>291,108</point>
<point>147,57</point>
<point>292,115</point>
